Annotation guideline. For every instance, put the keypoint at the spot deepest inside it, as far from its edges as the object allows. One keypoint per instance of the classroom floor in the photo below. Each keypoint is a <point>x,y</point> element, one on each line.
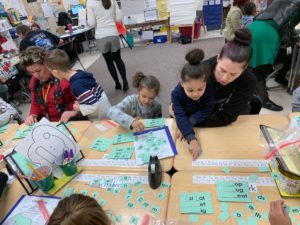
<point>152,63</point>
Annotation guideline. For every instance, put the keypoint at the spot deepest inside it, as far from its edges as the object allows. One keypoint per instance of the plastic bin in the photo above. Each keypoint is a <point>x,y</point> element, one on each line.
<point>160,39</point>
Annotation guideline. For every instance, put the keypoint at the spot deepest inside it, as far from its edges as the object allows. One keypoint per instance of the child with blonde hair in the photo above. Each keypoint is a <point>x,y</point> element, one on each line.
<point>141,106</point>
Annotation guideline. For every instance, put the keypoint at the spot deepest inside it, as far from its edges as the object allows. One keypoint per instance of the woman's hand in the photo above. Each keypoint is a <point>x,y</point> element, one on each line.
<point>31,119</point>
<point>67,115</point>
<point>76,106</point>
<point>194,148</point>
<point>277,214</point>
<point>179,135</point>
<point>137,126</point>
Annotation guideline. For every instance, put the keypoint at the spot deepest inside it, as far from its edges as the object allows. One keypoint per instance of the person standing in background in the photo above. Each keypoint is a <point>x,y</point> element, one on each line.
<point>234,19</point>
<point>103,16</point>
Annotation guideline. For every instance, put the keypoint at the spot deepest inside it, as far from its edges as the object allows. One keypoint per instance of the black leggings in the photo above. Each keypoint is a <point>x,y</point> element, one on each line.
<point>110,58</point>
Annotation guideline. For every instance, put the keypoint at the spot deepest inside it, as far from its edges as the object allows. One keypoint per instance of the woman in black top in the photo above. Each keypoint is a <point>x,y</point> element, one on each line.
<point>64,19</point>
<point>233,83</point>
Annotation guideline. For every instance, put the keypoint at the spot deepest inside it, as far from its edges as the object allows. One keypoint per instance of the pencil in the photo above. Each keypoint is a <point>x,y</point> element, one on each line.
<point>38,173</point>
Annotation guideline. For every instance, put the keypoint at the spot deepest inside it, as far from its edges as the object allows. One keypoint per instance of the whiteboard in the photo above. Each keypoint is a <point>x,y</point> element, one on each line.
<point>131,7</point>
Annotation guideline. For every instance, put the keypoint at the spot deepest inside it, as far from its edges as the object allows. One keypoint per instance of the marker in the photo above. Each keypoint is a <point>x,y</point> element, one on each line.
<point>71,153</point>
<point>43,209</point>
<point>146,220</point>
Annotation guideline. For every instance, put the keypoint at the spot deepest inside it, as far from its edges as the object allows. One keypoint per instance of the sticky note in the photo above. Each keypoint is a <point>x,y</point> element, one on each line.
<point>130,205</point>
<point>240,221</point>
<point>149,123</point>
<point>95,194</point>
<point>102,202</point>
<point>252,178</point>
<point>223,216</point>
<point>295,210</point>
<point>261,198</point>
<point>230,191</point>
<point>145,205</point>
<point>84,192</point>
<point>123,138</point>
<point>224,207</point>
<point>226,169</point>
<point>120,153</point>
<point>196,202</point>
<point>101,144</point>
<point>22,220</point>
<point>194,218</point>
<point>155,209</point>
<point>251,206</point>
<point>134,220</point>
<point>140,199</point>
<point>161,195</point>
<point>264,169</point>
<point>237,214</point>
<point>141,191</point>
<point>258,215</point>
<point>68,192</point>
<point>165,185</point>
<point>252,221</point>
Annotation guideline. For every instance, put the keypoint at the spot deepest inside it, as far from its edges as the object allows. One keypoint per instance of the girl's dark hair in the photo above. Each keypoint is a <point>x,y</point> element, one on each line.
<point>106,4</point>
<point>78,209</point>
<point>194,69</point>
<point>239,49</point>
<point>249,8</point>
<point>146,81</point>
<point>239,3</point>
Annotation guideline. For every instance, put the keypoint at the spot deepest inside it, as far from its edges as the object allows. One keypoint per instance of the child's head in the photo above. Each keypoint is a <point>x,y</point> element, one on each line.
<point>148,87</point>
<point>194,74</point>
<point>250,9</point>
<point>79,210</point>
<point>58,62</point>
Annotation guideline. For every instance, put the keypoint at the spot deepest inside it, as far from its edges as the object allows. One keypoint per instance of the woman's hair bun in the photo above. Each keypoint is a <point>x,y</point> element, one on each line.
<point>195,56</point>
<point>243,36</point>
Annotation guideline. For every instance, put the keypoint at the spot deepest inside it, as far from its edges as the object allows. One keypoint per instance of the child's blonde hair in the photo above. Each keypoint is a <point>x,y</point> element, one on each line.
<point>57,59</point>
<point>79,209</point>
<point>146,81</point>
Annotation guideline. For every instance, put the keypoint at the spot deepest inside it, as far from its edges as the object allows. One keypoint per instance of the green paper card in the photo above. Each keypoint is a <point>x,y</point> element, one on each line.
<point>295,210</point>
<point>120,153</point>
<point>145,205</point>
<point>84,192</point>
<point>207,223</point>
<point>252,221</point>
<point>68,192</point>
<point>22,220</point>
<point>161,195</point>
<point>252,178</point>
<point>149,123</point>
<point>226,169</point>
<point>196,202</point>
<point>95,195</point>
<point>4,128</point>
<point>155,209</point>
<point>102,202</point>
<point>194,218</point>
<point>134,220</point>
<point>264,169</point>
<point>224,207</point>
<point>130,205</point>
<point>224,216</point>
<point>101,144</point>
<point>229,191</point>
<point>258,215</point>
<point>140,199</point>
<point>238,214</point>
<point>123,138</point>
<point>165,185</point>
<point>261,198</point>
<point>251,206</point>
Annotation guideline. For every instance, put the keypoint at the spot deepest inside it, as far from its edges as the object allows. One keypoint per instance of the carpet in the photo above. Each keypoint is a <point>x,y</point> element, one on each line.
<point>164,61</point>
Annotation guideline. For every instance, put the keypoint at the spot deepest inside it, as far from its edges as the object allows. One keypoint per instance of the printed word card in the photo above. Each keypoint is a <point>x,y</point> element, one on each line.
<point>196,202</point>
<point>229,191</point>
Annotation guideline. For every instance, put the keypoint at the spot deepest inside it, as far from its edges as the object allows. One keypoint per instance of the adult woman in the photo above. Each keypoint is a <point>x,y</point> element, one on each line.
<point>103,15</point>
<point>269,29</point>
<point>233,83</point>
<point>49,96</point>
<point>64,19</point>
<point>234,19</point>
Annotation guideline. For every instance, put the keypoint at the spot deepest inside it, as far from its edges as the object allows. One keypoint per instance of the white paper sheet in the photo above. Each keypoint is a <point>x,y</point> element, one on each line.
<point>108,162</point>
<point>28,208</point>
<point>150,3</point>
<point>230,163</point>
<point>74,2</point>
<point>45,143</point>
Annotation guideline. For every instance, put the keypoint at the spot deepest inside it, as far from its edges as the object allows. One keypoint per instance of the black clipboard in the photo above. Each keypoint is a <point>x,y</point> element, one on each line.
<point>15,168</point>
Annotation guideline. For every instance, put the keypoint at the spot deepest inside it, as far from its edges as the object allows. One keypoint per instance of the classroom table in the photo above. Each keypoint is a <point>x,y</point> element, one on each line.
<point>94,160</point>
<point>238,141</point>
<point>205,182</point>
<point>291,115</point>
<point>112,200</point>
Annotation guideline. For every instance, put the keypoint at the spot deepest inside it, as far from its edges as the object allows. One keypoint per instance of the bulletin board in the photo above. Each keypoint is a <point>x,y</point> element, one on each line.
<point>16,4</point>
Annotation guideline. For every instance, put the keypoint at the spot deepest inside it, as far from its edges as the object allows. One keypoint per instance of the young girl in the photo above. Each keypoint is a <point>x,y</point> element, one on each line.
<point>192,99</point>
<point>250,12</point>
<point>135,107</point>
<point>79,209</point>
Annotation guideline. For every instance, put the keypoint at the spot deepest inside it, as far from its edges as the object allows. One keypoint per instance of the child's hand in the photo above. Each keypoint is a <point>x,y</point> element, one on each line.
<point>67,115</point>
<point>194,148</point>
<point>76,106</point>
<point>138,126</point>
<point>31,120</point>
<point>278,215</point>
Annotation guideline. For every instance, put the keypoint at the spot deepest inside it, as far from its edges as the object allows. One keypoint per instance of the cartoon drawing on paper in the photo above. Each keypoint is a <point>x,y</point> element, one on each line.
<point>45,143</point>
